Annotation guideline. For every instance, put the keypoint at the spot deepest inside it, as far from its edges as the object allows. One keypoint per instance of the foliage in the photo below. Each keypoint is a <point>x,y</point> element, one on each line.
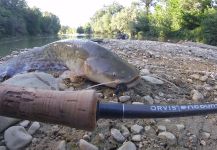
<point>16,18</point>
<point>163,19</point>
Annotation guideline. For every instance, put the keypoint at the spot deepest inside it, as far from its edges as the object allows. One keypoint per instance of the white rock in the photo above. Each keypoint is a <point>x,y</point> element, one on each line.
<point>144,72</point>
<point>84,145</point>
<point>137,103</point>
<point>152,80</point>
<point>24,123</point>
<point>128,146</point>
<point>197,96</point>
<point>16,137</point>
<point>180,126</point>
<point>62,145</point>
<point>161,128</point>
<point>195,76</point>
<point>86,137</point>
<point>137,138</point>
<point>136,128</point>
<point>33,128</point>
<point>116,134</point>
<point>168,136</point>
<point>101,136</point>
<point>124,98</point>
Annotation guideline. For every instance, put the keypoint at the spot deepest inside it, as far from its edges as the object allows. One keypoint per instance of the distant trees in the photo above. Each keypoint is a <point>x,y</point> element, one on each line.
<point>16,18</point>
<point>194,20</point>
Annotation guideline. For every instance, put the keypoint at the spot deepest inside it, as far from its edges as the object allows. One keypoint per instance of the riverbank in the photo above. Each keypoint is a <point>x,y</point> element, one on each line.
<point>182,73</point>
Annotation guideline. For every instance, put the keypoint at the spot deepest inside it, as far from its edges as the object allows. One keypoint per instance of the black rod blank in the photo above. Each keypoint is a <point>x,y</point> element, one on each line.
<point>117,110</point>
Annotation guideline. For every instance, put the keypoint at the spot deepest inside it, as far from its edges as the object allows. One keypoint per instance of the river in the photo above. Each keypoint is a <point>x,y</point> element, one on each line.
<point>8,45</point>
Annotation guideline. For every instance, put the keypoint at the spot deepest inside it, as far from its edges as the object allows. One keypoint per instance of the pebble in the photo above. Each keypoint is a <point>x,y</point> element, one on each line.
<point>195,76</point>
<point>16,137</point>
<point>137,103</point>
<point>203,78</point>
<point>101,136</point>
<point>24,123</point>
<point>62,145</point>
<point>136,138</point>
<point>86,137</point>
<point>144,72</point>
<point>161,128</point>
<point>84,145</point>
<point>128,146</point>
<point>125,131</point>
<point>180,126</point>
<point>152,80</point>
<point>33,128</point>
<point>168,136</point>
<point>3,148</point>
<point>202,142</point>
<point>124,98</point>
<point>136,128</point>
<point>116,134</point>
<point>149,99</point>
<point>197,96</point>
<point>205,135</point>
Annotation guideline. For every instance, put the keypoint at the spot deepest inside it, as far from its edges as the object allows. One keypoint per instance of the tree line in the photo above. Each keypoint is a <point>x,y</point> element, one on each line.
<point>194,20</point>
<point>17,18</point>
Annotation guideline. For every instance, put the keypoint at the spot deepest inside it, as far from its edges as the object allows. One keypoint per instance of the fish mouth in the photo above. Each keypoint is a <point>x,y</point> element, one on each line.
<point>133,82</point>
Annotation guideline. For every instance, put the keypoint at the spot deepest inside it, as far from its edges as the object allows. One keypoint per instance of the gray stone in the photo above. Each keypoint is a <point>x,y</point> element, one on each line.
<point>6,122</point>
<point>168,136</point>
<point>128,146</point>
<point>24,123</point>
<point>61,145</point>
<point>125,131</point>
<point>152,80</point>
<point>38,80</point>
<point>203,78</point>
<point>136,138</point>
<point>205,135</point>
<point>33,128</point>
<point>124,98</point>
<point>16,137</point>
<point>136,128</point>
<point>3,148</point>
<point>84,145</point>
<point>149,99</point>
<point>116,134</point>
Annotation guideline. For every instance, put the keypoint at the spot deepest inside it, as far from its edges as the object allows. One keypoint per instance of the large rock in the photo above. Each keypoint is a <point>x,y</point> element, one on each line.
<point>38,80</point>
<point>17,137</point>
<point>6,122</point>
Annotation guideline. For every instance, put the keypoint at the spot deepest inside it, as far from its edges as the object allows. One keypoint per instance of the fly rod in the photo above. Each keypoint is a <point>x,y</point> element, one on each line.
<point>81,109</point>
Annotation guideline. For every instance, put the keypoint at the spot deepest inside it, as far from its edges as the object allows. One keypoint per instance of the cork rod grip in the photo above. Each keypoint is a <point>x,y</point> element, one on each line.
<point>76,109</point>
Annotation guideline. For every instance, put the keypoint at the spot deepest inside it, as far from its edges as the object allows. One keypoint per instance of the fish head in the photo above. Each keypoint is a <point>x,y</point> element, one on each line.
<point>112,71</point>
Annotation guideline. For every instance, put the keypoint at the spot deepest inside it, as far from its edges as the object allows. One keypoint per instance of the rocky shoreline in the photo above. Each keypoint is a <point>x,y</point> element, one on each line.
<point>172,74</point>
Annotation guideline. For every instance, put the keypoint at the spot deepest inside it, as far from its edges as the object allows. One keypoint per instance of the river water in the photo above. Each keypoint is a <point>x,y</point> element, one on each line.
<point>15,44</point>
